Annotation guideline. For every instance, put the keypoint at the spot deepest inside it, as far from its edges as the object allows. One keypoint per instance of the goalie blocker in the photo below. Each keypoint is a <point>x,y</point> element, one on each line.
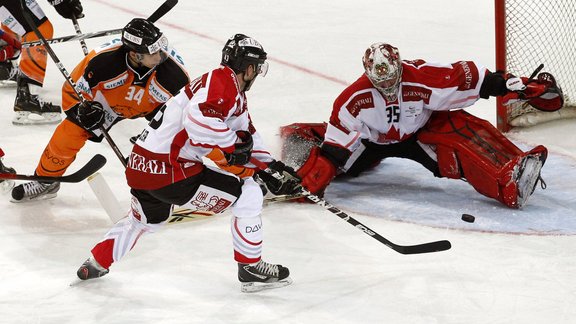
<point>453,144</point>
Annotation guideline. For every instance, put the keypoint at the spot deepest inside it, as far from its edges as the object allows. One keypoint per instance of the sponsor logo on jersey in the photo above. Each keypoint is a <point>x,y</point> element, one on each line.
<point>83,86</point>
<point>140,163</point>
<point>470,76</point>
<point>117,82</point>
<point>359,102</point>
<point>416,93</point>
<point>157,92</point>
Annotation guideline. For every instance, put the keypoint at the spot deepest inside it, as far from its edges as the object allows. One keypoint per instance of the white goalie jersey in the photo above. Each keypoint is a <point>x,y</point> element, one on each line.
<point>361,112</point>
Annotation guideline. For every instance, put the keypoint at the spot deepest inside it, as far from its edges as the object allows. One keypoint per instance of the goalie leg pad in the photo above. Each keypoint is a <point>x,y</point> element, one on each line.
<point>471,148</point>
<point>298,139</point>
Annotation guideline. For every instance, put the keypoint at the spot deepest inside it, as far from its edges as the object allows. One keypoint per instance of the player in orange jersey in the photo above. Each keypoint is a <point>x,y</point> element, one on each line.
<point>119,80</point>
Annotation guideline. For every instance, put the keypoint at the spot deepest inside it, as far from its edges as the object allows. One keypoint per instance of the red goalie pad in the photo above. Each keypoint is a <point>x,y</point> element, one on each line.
<point>298,140</point>
<point>471,148</point>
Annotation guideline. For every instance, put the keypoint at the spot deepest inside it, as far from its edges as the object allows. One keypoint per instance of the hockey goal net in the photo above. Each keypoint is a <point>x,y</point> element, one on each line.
<point>529,33</point>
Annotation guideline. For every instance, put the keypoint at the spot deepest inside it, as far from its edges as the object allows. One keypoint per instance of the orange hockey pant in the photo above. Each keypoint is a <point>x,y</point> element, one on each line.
<point>66,142</point>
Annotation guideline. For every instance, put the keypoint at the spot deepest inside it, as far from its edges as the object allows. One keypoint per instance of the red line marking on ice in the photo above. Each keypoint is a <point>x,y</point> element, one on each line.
<point>219,41</point>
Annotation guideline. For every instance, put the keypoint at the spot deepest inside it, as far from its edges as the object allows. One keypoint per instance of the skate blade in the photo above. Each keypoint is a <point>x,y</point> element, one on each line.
<point>44,197</point>
<point>29,118</point>
<point>76,282</point>
<point>7,84</point>
<point>251,287</point>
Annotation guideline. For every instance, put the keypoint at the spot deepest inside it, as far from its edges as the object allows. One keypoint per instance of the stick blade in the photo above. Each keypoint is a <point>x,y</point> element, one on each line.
<point>162,10</point>
<point>425,248</point>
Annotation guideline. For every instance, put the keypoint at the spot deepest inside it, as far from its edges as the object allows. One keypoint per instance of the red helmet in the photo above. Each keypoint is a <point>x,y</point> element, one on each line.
<point>383,67</point>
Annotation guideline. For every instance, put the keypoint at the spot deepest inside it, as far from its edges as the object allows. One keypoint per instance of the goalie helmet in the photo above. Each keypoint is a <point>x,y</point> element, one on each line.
<point>141,36</point>
<point>242,51</point>
<point>383,67</point>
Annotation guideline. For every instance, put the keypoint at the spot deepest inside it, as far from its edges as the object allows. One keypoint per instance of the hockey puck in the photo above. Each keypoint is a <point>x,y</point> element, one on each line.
<point>468,218</point>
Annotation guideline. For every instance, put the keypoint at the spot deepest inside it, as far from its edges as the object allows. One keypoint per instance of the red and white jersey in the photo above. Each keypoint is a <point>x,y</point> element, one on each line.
<point>362,112</point>
<point>204,115</point>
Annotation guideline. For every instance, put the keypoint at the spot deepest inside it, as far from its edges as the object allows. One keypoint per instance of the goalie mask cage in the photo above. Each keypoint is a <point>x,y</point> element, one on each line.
<point>529,33</point>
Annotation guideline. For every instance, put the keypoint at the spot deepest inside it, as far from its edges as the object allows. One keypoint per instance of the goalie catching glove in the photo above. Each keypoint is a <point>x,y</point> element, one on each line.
<point>542,93</point>
<point>279,179</point>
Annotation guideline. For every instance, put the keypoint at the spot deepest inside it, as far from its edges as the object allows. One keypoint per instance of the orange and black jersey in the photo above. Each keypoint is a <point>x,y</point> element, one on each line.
<point>104,75</point>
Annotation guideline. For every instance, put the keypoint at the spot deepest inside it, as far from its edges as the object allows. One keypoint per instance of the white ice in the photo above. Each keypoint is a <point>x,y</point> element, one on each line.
<point>507,267</point>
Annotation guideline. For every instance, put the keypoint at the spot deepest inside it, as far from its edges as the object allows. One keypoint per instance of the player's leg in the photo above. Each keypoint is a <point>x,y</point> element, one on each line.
<point>9,54</point>
<point>254,273</point>
<point>5,185</point>
<point>32,67</point>
<point>219,191</point>
<point>66,142</point>
<point>147,214</point>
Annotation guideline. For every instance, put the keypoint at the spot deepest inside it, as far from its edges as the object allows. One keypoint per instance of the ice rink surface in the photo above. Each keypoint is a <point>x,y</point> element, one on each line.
<point>507,267</point>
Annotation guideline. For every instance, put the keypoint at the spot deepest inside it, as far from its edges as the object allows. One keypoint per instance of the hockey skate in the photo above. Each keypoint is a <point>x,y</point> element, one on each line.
<point>34,190</point>
<point>91,269</point>
<point>261,275</point>
<point>29,109</point>
<point>527,175</point>
<point>8,74</point>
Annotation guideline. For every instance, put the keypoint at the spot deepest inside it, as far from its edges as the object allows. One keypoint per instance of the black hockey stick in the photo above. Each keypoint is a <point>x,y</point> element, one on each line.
<point>79,32</point>
<point>66,75</point>
<point>162,10</point>
<point>73,37</point>
<point>91,167</point>
<point>436,246</point>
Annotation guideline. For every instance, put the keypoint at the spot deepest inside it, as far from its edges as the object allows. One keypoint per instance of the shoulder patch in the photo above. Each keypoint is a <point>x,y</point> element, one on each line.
<point>360,101</point>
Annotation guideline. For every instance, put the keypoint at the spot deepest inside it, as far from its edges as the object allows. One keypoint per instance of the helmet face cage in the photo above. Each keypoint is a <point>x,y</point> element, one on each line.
<point>383,66</point>
<point>242,51</point>
<point>141,36</point>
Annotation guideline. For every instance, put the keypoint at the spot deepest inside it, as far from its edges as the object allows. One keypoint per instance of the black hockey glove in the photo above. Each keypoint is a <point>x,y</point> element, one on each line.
<point>242,150</point>
<point>68,8</point>
<point>283,180</point>
<point>91,115</point>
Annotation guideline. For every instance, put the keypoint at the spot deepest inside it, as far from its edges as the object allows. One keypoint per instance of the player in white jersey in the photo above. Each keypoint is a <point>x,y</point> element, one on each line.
<point>208,118</point>
<point>412,110</point>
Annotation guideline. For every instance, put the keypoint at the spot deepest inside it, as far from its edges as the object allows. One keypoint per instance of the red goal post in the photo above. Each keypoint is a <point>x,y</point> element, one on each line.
<point>528,33</point>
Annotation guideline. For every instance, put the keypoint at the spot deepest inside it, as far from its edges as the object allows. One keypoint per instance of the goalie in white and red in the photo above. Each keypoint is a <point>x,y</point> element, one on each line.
<point>412,110</point>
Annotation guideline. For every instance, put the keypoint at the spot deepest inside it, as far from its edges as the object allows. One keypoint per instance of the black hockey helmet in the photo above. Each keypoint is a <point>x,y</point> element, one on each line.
<point>241,51</point>
<point>141,36</point>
